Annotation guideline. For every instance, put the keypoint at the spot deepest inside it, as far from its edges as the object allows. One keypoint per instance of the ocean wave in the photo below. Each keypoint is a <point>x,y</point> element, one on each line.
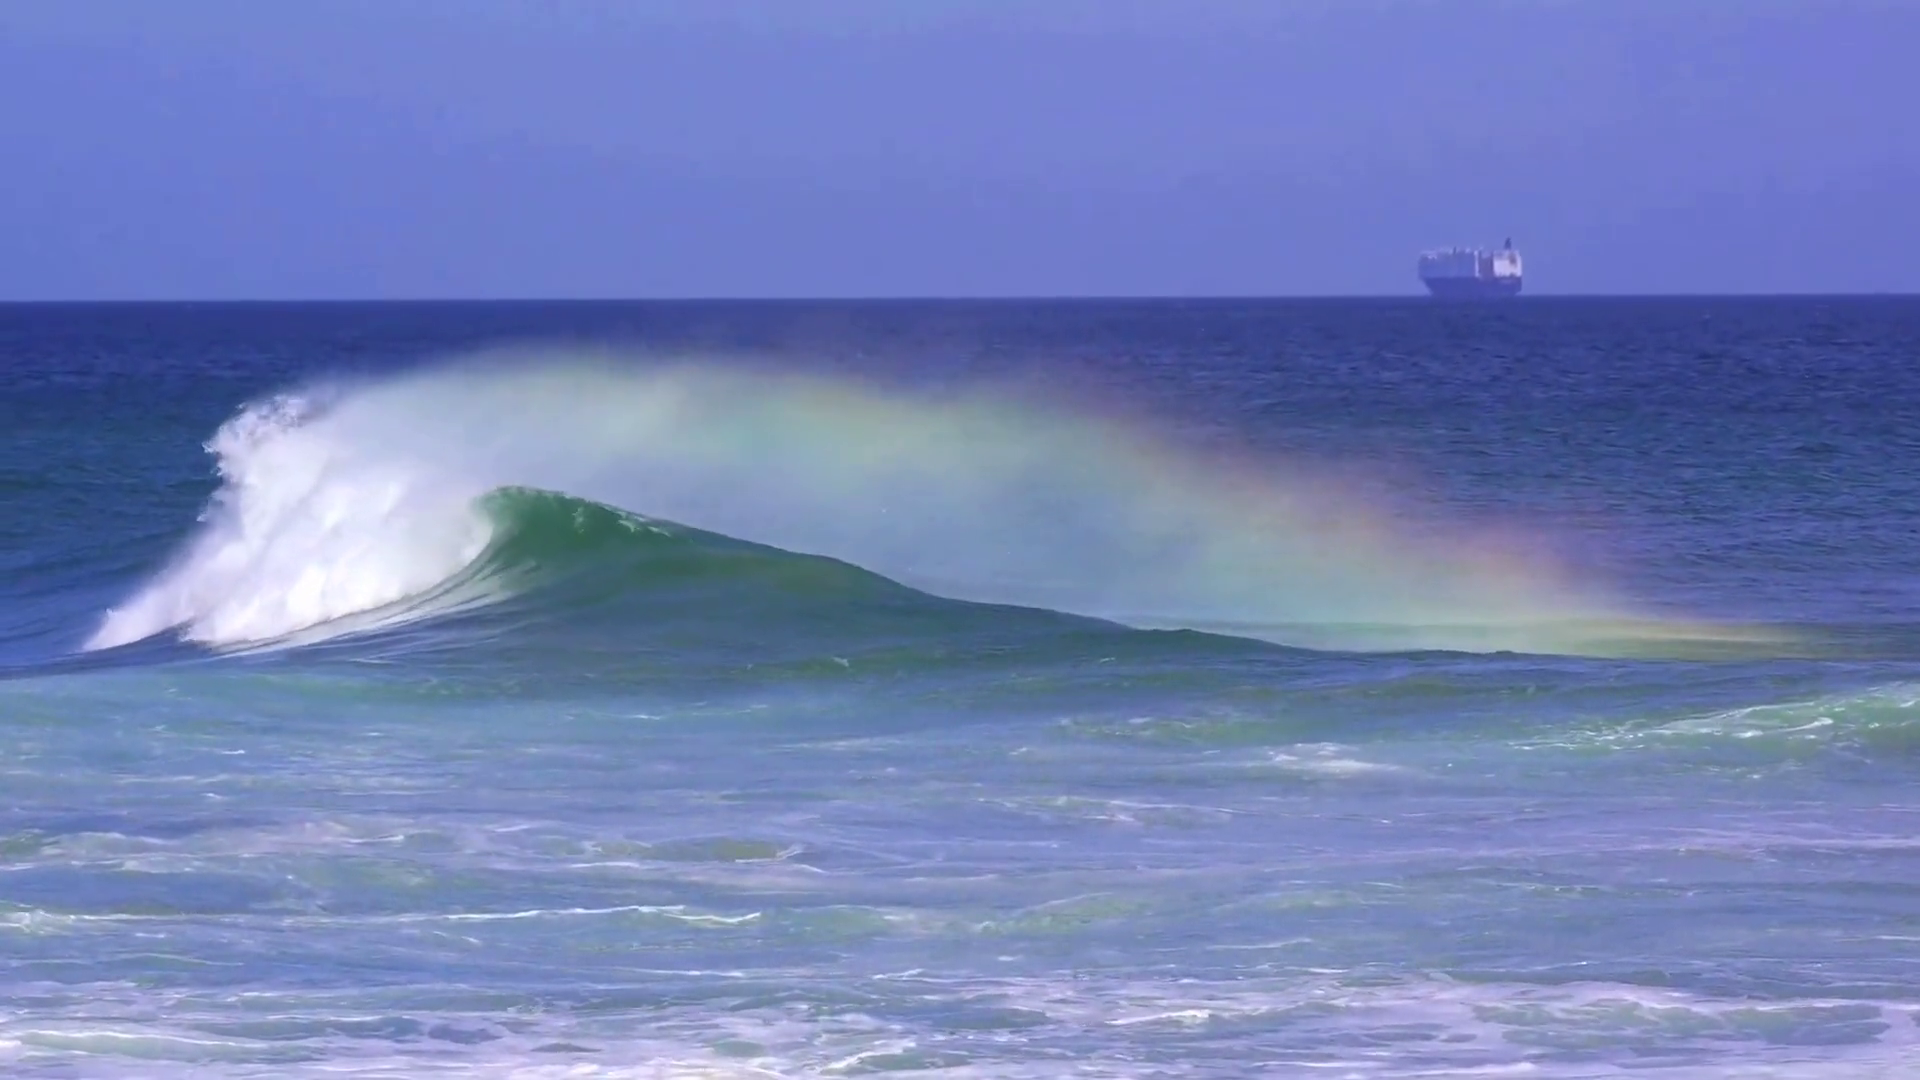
<point>1880,723</point>
<point>348,508</point>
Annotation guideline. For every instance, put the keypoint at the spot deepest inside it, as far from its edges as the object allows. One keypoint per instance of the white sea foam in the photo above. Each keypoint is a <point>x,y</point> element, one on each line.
<point>1314,1026</point>
<point>307,527</point>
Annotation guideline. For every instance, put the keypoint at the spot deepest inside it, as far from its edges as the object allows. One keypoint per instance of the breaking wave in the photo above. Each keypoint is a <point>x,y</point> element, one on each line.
<point>352,506</point>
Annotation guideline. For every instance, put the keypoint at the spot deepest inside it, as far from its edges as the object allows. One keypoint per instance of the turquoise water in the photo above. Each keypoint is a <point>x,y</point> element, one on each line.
<point>1334,689</point>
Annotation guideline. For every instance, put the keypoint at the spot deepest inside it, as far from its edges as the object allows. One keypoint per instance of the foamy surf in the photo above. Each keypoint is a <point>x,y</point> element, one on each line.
<point>307,528</point>
<point>327,513</point>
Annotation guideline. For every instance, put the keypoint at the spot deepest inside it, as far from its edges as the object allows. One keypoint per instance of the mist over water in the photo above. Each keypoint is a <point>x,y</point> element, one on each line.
<point>339,499</point>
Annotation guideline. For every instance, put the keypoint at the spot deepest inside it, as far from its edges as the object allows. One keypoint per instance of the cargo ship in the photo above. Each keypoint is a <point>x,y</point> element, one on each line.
<point>1471,273</point>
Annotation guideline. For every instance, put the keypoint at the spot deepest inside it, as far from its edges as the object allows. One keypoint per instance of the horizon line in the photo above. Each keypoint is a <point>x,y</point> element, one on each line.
<point>955,298</point>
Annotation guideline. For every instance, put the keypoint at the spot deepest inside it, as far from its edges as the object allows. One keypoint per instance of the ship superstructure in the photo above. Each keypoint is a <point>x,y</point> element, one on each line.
<point>1471,272</point>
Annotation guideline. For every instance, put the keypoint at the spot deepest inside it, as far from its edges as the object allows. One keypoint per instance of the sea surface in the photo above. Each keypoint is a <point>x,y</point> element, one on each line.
<point>1333,689</point>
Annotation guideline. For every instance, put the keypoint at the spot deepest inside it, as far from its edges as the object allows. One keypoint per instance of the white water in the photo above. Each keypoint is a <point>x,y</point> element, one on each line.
<point>324,513</point>
<point>307,528</point>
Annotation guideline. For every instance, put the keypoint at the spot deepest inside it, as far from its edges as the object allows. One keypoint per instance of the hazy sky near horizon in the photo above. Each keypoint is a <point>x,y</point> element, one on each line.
<point>540,148</point>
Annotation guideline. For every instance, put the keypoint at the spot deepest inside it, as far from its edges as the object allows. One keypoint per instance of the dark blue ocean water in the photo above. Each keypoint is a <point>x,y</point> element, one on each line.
<point>1148,689</point>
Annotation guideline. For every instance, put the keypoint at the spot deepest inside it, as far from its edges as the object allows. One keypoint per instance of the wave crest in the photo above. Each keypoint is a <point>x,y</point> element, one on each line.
<point>305,529</point>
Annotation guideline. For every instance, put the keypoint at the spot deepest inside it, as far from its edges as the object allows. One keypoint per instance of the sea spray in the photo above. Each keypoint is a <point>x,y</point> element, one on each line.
<point>305,529</point>
<point>337,508</point>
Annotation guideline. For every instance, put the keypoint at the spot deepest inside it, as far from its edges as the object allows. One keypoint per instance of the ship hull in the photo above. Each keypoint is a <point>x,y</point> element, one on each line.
<point>1472,288</point>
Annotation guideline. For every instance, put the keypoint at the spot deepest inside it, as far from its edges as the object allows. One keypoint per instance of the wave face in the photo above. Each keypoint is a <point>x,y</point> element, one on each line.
<point>349,505</point>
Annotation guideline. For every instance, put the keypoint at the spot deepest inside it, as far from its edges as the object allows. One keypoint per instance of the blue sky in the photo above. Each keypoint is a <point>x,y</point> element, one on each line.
<point>489,148</point>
